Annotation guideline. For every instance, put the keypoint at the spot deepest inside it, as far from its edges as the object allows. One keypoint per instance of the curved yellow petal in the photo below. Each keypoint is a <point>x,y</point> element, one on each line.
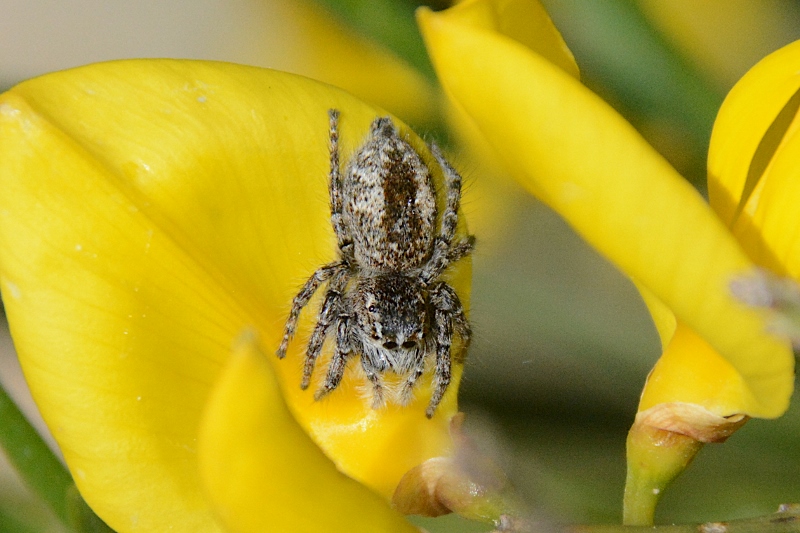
<point>749,129</point>
<point>691,371</point>
<point>580,157</point>
<point>769,227</point>
<point>492,198</point>
<point>524,21</point>
<point>262,471</point>
<point>757,129</point>
<point>151,210</point>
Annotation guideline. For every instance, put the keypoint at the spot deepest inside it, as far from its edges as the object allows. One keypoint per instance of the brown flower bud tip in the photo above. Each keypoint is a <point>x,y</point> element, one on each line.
<point>692,420</point>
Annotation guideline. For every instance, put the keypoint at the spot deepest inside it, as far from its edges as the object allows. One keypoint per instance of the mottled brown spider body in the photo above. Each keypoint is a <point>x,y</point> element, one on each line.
<point>389,203</point>
<point>384,300</point>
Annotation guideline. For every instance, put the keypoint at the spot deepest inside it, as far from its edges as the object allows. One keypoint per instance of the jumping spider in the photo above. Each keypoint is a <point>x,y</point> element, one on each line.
<point>384,300</point>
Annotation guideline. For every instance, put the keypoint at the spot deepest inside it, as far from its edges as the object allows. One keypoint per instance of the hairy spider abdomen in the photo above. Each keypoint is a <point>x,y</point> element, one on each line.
<point>390,205</point>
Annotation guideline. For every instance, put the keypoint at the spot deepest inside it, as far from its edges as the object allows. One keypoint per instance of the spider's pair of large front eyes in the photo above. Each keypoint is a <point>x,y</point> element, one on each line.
<point>391,345</point>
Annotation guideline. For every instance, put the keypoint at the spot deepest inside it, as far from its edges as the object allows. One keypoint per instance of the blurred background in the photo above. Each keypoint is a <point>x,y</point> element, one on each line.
<point>563,343</point>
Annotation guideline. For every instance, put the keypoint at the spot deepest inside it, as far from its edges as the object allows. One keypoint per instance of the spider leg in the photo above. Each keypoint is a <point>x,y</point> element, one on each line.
<point>448,312</point>
<point>441,376</point>
<point>374,376</point>
<point>461,249</point>
<point>442,255</point>
<point>446,295</point>
<point>407,391</point>
<point>463,329</point>
<point>343,237</point>
<point>339,360</point>
<point>327,315</point>
<point>319,277</point>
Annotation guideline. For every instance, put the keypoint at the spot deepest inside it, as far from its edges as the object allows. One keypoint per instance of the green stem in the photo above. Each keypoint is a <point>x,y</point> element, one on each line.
<point>786,520</point>
<point>39,468</point>
<point>655,458</point>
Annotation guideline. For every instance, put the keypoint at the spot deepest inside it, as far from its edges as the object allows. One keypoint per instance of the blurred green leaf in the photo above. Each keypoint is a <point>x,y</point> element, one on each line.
<point>82,518</point>
<point>10,524</point>
<point>43,473</point>
<point>33,460</point>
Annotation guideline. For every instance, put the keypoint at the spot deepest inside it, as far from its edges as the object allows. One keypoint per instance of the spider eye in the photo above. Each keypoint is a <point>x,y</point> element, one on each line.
<point>371,309</point>
<point>390,345</point>
<point>409,344</point>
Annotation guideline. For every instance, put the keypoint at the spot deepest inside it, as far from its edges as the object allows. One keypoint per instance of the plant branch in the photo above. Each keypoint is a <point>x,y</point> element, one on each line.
<point>785,520</point>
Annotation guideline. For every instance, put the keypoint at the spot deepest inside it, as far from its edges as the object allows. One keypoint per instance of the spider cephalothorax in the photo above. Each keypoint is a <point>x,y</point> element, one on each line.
<point>384,301</point>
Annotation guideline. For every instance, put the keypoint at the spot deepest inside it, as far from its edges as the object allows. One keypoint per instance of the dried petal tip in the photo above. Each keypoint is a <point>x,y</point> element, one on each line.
<point>419,491</point>
<point>691,420</point>
<point>469,484</point>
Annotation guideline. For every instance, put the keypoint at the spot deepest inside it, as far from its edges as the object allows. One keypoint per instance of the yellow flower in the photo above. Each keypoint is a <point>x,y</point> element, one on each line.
<point>576,154</point>
<point>752,182</point>
<point>152,211</point>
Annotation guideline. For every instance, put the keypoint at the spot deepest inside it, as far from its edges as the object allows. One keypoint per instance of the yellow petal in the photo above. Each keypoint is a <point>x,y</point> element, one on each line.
<point>691,371</point>
<point>151,210</point>
<point>581,158</point>
<point>262,471</point>
<point>749,129</point>
<point>757,130</point>
<point>769,226</point>
<point>525,21</point>
<point>492,198</point>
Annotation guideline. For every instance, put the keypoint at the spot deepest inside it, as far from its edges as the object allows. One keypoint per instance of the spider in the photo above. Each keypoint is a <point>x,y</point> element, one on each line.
<point>384,300</point>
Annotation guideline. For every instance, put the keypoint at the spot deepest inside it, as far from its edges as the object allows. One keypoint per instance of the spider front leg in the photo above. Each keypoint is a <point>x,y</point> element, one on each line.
<point>328,313</point>
<point>319,277</point>
<point>374,376</point>
<point>418,369</point>
<point>339,360</point>
<point>343,237</point>
<point>447,311</point>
